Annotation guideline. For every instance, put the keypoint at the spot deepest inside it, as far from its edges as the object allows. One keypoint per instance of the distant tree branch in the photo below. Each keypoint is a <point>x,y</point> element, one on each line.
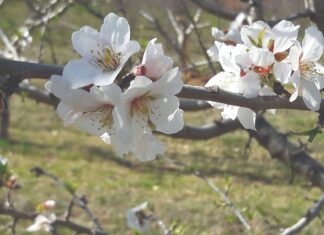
<point>87,5</point>
<point>20,215</point>
<point>193,23</point>
<point>310,215</point>
<point>208,131</point>
<point>303,14</point>
<point>215,9</point>
<point>217,190</point>
<point>277,144</point>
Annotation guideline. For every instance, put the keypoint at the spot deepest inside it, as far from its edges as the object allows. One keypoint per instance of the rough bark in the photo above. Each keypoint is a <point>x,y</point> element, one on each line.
<point>292,155</point>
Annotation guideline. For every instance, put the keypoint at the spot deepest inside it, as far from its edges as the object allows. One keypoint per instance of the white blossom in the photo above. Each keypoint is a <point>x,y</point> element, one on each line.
<point>308,75</point>
<point>154,63</point>
<point>137,219</point>
<point>92,111</point>
<point>42,223</point>
<point>103,53</point>
<point>147,106</point>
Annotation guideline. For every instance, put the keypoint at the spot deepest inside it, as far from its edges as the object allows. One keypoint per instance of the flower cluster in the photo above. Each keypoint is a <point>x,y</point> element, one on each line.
<point>123,109</point>
<point>44,221</point>
<point>259,56</point>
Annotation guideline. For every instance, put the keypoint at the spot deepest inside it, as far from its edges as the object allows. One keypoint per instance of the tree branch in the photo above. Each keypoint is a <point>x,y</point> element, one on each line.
<point>303,14</point>
<point>290,154</point>
<point>215,9</point>
<point>207,131</point>
<point>311,214</point>
<point>277,144</point>
<point>58,222</point>
<point>44,71</point>
<point>194,105</point>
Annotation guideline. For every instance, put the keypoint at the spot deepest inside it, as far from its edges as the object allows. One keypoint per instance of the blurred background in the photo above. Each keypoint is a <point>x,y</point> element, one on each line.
<point>32,134</point>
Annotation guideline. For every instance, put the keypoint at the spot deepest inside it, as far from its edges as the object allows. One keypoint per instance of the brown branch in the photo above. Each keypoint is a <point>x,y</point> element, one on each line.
<point>207,131</point>
<point>215,9</point>
<point>86,5</point>
<point>44,71</point>
<point>277,144</point>
<point>194,105</point>
<point>58,222</point>
<point>296,16</point>
<point>310,215</point>
<point>38,95</point>
<point>290,154</point>
<point>28,69</point>
<point>259,103</point>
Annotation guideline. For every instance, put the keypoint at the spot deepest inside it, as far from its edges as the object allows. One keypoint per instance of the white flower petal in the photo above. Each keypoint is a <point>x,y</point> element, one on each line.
<point>85,42</point>
<point>252,31</point>
<point>230,112</point>
<point>294,55</point>
<point>312,45</point>
<point>134,222</point>
<point>174,125</point>
<point>148,148</point>
<point>154,60</point>
<point>107,78</point>
<point>79,100</point>
<point>90,123</point>
<point>319,79</point>
<point>247,118</point>
<point>218,34</point>
<point>163,108</point>
<point>213,52</point>
<point>249,85</point>
<point>67,114</point>
<point>58,85</point>
<point>282,72</point>
<point>109,94</point>
<point>311,94</point>
<point>261,57</point>
<point>285,33</point>
<point>295,80</point>
<point>169,84</point>
<point>266,91</point>
<point>115,30</point>
<point>224,80</point>
<point>128,49</point>
<point>80,73</point>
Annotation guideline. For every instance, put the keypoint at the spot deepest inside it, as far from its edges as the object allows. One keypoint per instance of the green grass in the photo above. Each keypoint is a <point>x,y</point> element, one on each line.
<point>257,184</point>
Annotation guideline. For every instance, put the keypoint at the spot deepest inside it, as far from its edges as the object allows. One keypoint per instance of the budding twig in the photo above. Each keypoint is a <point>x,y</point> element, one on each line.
<point>310,215</point>
<point>80,201</point>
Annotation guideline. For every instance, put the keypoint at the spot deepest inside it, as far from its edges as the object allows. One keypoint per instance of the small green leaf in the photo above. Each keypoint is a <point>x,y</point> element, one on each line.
<point>254,43</point>
<point>312,133</point>
<point>70,186</point>
<point>260,37</point>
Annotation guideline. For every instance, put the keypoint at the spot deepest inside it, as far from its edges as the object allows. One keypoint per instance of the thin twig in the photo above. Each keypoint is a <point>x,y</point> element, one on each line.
<point>204,50</point>
<point>217,190</point>
<point>80,201</point>
<point>68,212</point>
<point>58,222</point>
<point>310,215</point>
